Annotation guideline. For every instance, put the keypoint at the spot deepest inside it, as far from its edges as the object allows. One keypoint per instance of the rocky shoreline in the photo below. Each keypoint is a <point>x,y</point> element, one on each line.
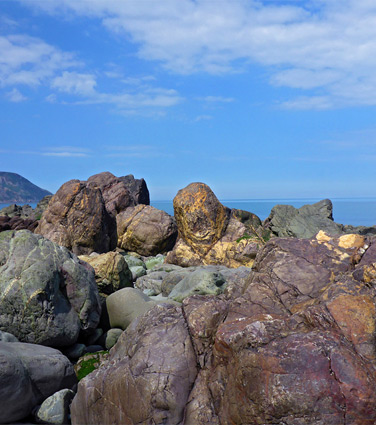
<point>114,312</point>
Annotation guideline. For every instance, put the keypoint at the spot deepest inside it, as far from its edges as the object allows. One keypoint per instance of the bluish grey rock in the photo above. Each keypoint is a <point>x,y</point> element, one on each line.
<point>29,374</point>
<point>7,337</point>
<point>200,282</point>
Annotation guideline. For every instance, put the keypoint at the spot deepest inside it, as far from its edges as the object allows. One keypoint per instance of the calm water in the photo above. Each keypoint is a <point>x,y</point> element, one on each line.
<point>355,211</point>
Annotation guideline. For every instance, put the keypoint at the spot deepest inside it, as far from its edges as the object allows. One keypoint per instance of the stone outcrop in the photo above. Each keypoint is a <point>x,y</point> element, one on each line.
<point>210,233</point>
<point>292,343</point>
<point>146,230</point>
<point>76,218</point>
<point>17,223</point>
<point>148,377</point>
<point>307,221</point>
<point>120,193</point>
<point>28,375</point>
<point>82,214</point>
<point>47,296</point>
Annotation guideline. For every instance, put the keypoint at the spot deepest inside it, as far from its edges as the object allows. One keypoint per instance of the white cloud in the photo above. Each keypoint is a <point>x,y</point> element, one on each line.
<point>312,45</point>
<point>16,96</point>
<point>30,61</point>
<point>75,83</point>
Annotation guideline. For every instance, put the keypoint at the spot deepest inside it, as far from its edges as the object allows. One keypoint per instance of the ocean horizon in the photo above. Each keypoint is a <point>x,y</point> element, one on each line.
<point>354,211</point>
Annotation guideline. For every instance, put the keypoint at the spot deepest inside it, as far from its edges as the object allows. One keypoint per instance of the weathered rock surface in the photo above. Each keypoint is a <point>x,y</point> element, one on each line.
<point>148,377</point>
<point>146,230</point>
<point>17,223</point>
<point>111,271</point>
<point>47,296</point>
<point>210,233</point>
<point>76,218</point>
<point>28,375</point>
<point>120,193</point>
<point>292,343</point>
<point>307,221</point>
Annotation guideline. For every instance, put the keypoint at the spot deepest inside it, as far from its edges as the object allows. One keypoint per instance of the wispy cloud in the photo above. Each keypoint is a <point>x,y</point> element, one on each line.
<point>58,151</point>
<point>137,151</point>
<point>326,49</point>
<point>15,96</point>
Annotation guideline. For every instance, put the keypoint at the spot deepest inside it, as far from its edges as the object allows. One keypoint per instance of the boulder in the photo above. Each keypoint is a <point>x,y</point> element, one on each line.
<point>120,193</point>
<point>146,230</point>
<point>151,283</point>
<point>76,218</point>
<point>55,409</point>
<point>28,375</point>
<point>147,378</point>
<point>201,281</point>
<point>111,271</point>
<point>210,233</point>
<point>7,337</point>
<point>47,296</point>
<point>17,223</point>
<point>41,207</point>
<point>111,337</point>
<point>125,305</point>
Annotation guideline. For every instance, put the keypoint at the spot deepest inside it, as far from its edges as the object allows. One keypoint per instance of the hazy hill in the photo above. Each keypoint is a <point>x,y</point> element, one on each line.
<point>15,188</point>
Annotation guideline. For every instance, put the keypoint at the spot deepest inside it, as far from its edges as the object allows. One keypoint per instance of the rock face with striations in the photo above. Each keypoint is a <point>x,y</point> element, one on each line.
<point>47,296</point>
<point>147,378</point>
<point>28,375</point>
<point>81,215</point>
<point>293,343</point>
<point>210,233</point>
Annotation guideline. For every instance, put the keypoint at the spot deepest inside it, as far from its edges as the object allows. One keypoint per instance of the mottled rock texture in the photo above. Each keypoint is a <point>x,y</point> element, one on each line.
<point>17,223</point>
<point>146,230</point>
<point>81,215</point>
<point>210,233</point>
<point>111,271</point>
<point>28,375</point>
<point>291,344</point>
<point>148,377</point>
<point>47,296</point>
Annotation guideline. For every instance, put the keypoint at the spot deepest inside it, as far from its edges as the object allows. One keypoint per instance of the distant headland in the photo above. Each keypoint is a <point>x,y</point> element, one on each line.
<point>15,188</point>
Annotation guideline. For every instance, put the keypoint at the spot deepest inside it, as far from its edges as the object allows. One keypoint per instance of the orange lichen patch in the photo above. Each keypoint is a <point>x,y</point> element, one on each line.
<point>230,254</point>
<point>355,315</point>
<point>369,273</point>
<point>322,237</point>
<point>351,241</point>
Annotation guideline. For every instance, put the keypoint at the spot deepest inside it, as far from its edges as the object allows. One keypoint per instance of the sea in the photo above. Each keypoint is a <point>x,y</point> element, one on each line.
<point>355,211</point>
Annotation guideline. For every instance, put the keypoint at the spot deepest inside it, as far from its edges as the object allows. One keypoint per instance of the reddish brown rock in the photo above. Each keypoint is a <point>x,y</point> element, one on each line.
<point>76,218</point>
<point>146,230</point>
<point>147,378</point>
<point>17,223</point>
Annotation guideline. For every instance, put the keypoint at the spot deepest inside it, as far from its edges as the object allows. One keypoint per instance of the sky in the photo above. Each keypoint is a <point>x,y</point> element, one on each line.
<point>257,99</point>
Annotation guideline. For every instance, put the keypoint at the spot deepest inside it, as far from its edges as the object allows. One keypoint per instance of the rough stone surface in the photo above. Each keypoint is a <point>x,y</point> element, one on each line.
<point>120,193</point>
<point>76,218</point>
<point>55,409</point>
<point>111,271</point>
<point>210,233</point>
<point>28,375</point>
<point>200,282</point>
<point>47,296</point>
<point>290,342</point>
<point>151,283</point>
<point>146,230</point>
<point>7,337</point>
<point>148,377</point>
<point>17,223</point>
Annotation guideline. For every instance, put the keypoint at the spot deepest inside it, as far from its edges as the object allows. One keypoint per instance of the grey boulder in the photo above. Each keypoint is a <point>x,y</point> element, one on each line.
<point>28,375</point>
<point>47,296</point>
<point>55,409</point>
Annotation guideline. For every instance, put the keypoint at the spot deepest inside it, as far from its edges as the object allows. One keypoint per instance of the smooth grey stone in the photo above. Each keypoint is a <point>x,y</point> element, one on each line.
<point>55,409</point>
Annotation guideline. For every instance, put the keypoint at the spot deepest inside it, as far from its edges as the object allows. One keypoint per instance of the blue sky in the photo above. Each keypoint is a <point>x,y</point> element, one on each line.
<point>258,99</point>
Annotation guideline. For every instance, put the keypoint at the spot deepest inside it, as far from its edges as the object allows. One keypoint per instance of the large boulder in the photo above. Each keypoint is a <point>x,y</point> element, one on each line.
<point>76,218</point>
<point>47,296</point>
<point>210,233</point>
<point>28,375</point>
<point>147,378</point>
<point>120,193</point>
<point>146,230</point>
